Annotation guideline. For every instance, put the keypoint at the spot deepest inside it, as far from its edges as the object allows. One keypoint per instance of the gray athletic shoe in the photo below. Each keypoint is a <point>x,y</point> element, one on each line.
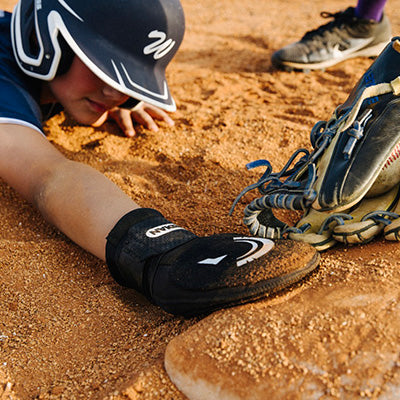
<point>344,37</point>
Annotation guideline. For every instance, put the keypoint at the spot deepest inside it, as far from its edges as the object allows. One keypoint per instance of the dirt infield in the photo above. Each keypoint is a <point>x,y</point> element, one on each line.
<point>67,331</point>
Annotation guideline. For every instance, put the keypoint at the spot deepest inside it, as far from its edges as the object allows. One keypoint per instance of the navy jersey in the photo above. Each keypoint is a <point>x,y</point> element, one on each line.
<point>19,93</point>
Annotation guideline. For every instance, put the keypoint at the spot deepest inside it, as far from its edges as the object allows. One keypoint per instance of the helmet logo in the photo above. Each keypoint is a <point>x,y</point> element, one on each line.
<point>160,47</point>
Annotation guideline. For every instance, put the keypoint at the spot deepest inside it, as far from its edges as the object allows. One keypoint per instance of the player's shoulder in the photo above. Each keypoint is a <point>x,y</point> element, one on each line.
<point>5,30</point>
<point>18,92</point>
<point>8,66</point>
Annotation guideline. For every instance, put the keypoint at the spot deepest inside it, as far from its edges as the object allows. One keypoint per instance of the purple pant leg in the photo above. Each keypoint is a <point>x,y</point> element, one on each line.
<point>370,9</point>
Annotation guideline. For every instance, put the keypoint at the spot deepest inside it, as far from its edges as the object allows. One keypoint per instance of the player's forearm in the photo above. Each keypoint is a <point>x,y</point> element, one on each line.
<point>76,198</point>
<point>82,203</point>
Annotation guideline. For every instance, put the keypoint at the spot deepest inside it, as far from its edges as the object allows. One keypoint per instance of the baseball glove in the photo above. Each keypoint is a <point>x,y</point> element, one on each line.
<point>348,185</point>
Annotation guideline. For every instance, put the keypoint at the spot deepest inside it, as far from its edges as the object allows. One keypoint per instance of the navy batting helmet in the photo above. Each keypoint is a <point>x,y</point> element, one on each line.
<point>126,43</point>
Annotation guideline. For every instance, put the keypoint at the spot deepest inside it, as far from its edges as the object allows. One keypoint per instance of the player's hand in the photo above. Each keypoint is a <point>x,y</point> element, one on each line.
<point>143,114</point>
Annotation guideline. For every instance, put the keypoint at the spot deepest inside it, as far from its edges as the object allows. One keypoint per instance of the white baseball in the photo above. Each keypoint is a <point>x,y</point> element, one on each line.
<point>389,176</point>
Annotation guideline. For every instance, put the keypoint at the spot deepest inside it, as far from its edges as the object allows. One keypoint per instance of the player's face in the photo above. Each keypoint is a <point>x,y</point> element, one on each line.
<point>83,95</point>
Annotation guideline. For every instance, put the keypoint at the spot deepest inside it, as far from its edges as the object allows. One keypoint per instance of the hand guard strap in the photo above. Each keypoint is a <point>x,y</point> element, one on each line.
<point>138,236</point>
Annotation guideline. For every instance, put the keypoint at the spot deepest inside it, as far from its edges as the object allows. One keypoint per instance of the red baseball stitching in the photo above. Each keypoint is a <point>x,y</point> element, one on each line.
<point>393,156</point>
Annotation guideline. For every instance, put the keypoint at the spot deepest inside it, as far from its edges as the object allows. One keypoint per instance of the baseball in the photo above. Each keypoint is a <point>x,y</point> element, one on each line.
<point>389,176</point>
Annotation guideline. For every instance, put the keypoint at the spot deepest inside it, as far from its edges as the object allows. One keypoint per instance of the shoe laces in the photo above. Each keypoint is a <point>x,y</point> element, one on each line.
<point>292,193</point>
<point>331,32</point>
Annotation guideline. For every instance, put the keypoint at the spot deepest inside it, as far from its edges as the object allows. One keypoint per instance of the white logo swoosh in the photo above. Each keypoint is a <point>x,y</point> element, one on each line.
<point>259,247</point>
<point>357,44</point>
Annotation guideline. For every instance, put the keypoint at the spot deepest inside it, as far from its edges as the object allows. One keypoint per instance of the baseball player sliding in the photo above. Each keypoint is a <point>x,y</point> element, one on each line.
<point>109,61</point>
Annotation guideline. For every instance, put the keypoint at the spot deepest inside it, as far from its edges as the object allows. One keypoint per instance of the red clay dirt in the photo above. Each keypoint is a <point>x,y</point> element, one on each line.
<point>68,331</point>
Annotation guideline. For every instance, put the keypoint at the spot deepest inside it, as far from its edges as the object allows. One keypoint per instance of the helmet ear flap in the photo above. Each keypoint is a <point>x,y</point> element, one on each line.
<point>28,33</point>
<point>67,56</point>
<point>38,52</point>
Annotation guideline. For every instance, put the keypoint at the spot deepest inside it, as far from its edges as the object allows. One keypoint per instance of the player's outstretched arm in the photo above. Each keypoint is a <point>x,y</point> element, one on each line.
<point>74,197</point>
<point>175,269</point>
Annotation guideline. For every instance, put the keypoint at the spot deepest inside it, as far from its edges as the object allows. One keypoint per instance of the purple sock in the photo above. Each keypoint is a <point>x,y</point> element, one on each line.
<point>370,9</point>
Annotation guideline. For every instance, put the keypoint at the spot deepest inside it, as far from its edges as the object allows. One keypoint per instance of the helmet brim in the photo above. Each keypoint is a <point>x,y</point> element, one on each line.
<point>127,75</point>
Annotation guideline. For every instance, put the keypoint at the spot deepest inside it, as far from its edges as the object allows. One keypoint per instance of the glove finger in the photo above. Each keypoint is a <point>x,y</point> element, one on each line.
<point>362,229</point>
<point>392,231</point>
<point>314,228</point>
<point>358,232</point>
<point>320,241</point>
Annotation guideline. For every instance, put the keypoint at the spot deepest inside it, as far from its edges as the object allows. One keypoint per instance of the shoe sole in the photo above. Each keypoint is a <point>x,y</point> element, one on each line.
<point>371,51</point>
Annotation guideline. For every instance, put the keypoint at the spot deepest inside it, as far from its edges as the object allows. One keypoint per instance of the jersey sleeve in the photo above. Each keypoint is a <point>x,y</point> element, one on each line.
<point>19,94</point>
<point>17,106</point>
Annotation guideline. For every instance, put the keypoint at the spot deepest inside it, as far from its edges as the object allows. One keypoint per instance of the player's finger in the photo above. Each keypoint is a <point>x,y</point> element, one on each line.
<point>124,121</point>
<point>159,114</point>
<point>145,119</point>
